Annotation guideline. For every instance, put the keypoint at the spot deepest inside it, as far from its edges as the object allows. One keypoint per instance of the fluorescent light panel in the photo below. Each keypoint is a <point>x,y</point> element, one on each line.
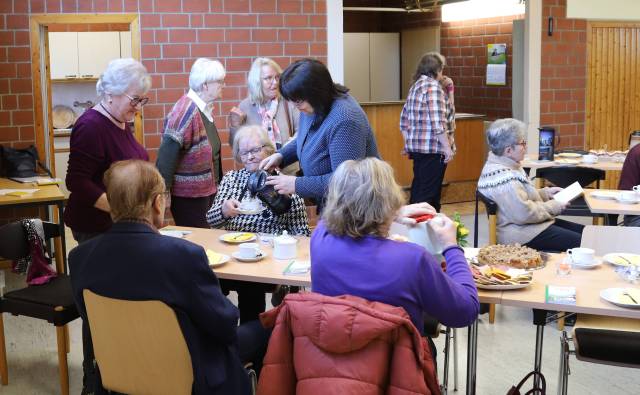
<point>477,9</point>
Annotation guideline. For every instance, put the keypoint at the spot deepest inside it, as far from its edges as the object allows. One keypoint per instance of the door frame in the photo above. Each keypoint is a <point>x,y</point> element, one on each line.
<point>40,70</point>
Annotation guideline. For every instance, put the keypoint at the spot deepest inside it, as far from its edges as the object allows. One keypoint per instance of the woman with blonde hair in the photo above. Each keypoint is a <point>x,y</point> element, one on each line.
<point>352,254</point>
<point>264,105</point>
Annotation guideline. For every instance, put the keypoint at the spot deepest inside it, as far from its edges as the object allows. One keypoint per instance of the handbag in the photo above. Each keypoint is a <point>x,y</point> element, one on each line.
<point>539,385</point>
<point>20,163</point>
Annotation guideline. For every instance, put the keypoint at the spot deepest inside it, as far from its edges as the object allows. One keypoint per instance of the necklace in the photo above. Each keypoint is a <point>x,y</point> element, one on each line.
<point>111,115</point>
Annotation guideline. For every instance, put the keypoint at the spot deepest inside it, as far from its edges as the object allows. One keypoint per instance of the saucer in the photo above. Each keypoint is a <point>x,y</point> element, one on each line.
<point>237,256</point>
<point>590,265</point>
<point>251,211</point>
<point>627,201</point>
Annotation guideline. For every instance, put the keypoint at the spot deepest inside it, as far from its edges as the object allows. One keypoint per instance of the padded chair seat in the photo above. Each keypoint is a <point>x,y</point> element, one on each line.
<point>608,346</point>
<point>39,301</point>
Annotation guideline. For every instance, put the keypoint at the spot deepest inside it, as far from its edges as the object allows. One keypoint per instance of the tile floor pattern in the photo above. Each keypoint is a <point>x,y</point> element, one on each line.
<point>505,353</point>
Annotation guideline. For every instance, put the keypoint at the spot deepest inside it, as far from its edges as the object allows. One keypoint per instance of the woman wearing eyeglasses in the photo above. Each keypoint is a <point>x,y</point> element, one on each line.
<point>251,144</point>
<point>189,155</point>
<point>526,215</point>
<point>100,137</point>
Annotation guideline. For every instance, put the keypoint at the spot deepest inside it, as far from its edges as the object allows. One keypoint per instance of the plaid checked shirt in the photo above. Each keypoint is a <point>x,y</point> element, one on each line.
<point>424,116</point>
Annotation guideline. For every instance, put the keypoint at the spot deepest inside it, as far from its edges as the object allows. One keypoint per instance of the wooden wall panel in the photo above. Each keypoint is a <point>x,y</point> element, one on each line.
<point>613,90</point>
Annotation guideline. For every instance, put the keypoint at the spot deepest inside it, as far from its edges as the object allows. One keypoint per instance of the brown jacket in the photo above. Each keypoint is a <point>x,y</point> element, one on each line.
<point>344,345</point>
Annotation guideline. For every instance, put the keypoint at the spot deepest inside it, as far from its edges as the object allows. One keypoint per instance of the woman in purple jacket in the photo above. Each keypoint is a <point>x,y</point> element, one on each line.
<point>101,136</point>
<point>352,254</point>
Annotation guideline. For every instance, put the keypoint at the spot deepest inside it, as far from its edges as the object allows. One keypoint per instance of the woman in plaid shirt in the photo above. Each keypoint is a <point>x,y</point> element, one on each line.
<point>424,123</point>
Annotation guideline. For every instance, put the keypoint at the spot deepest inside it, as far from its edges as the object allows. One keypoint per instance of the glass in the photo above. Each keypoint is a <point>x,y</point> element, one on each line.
<point>254,151</point>
<point>522,143</point>
<point>563,267</point>
<point>271,78</point>
<point>137,100</point>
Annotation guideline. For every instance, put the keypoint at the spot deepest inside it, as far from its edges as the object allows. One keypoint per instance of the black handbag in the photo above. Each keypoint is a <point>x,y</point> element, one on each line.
<point>20,162</point>
<point>539,385</point>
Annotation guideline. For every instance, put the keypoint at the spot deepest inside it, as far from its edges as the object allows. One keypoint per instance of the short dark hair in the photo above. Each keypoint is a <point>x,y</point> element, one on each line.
<point>430,64</point>
<point>310,80</point>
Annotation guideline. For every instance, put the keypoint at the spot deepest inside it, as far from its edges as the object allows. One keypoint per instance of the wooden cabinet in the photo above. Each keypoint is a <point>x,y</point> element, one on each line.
<point>85,54</point>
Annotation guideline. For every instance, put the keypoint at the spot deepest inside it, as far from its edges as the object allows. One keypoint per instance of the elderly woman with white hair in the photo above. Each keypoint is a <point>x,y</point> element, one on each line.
<point>251,144</point>
<point>100,137</point>
<point>189,155</point>
<point>526,215</point>
<point>264,105</point>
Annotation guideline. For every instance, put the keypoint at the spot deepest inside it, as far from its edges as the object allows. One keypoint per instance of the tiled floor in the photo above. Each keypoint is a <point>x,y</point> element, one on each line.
<point>505,352</point>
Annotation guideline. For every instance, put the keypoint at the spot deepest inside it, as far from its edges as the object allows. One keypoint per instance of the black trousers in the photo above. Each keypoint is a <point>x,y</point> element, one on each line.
<point>428,173</point>
<point>191,211</point>
<point>251,297</point>
<point>558,237</point>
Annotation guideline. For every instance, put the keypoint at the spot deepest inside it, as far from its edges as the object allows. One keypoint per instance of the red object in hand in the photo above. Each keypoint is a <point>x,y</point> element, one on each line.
<point>423,217</point>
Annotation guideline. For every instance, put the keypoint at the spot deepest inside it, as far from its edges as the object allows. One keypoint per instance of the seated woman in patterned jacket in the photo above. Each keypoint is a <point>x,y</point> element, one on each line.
<point>251,144</point>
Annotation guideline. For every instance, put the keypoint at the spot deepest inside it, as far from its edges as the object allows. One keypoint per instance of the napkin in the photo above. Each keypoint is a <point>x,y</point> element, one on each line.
<point>297,267</point>
<point>214,257</point>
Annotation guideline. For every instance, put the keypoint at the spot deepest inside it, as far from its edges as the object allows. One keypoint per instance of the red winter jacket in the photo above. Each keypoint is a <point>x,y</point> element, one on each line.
<point>344,345</point>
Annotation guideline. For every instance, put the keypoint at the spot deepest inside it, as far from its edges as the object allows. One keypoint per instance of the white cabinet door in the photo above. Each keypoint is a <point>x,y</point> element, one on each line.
<point>95,51</point>
<point>356,65</point>
<point>125,44</point>
<point>384,70</point>
<point>63,54</point>
<point>415,43</point>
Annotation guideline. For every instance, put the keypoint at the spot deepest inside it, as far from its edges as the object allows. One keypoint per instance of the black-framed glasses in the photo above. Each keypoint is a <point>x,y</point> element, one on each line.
<point>254,151</point>
<point>135,101</point>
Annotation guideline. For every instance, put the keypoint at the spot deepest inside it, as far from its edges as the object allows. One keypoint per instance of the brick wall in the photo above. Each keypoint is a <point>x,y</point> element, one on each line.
<point>563,78</point>
<point>173,34</point>
<point>464,44</point>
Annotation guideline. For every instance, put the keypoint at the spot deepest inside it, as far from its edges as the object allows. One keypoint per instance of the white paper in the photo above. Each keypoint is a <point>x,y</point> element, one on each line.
<point>496,74</point>
<point>569,193</point>
<point>6,191</point>
<point>298,267</point>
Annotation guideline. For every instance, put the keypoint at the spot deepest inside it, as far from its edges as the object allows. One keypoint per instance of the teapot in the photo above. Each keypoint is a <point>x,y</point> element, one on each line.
<point>278,203</point>
<point>285,246</point>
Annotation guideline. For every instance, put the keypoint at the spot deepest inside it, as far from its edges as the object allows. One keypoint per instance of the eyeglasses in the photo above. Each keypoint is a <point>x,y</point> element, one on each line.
<point>271,78</point>
<point>137,100</point>
<point>522,143</point>
<point>253,151</point>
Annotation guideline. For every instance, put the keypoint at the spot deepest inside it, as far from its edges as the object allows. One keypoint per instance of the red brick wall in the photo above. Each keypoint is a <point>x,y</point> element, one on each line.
<point>173,34</point>
<point>563,77</point>
<point>464,44</point>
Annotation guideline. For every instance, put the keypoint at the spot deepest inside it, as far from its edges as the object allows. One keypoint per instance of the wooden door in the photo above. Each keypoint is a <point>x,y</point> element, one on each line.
<point>613,89</point>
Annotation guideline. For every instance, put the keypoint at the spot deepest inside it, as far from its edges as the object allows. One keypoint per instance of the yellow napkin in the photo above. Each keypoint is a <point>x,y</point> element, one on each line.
<point>238,236</point>
<point>214,257</point>
<point>19,193</point>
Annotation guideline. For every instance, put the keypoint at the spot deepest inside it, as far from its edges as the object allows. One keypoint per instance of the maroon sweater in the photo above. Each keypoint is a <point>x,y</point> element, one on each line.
<point>95,144</point>
<point>631,169</point>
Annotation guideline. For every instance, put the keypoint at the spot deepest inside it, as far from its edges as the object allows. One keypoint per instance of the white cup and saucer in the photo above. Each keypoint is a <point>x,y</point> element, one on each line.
<point>251,206</point>
<point>628,197</point>
<point>590,159</point>
<point>249,252</point>
<point>583,258</point>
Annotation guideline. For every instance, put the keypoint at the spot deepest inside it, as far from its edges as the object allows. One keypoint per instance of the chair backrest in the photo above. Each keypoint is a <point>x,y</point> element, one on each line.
<point>13,239</point>
<point>607,239</point>
<point>492,212</point>
<point>139,346</point>
<point>565,176</point>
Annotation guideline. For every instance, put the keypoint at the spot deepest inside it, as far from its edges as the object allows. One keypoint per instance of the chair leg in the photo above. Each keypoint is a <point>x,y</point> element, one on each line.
<point>67,338</point>
<point>455,359</point>
<point>561,323</point>
<point>492,313</point>
<point>447,354</point>
<point>563,374</point>
<point>4,372</point>
<point>62,360</point>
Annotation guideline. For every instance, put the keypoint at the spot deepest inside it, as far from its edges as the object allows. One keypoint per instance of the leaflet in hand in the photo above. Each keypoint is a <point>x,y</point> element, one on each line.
<point>569,193</point>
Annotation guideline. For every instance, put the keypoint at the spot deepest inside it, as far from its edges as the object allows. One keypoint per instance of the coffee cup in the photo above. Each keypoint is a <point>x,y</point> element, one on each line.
<point>628,195</point>
<point>249,250</point>
<point>636,189</point>
<point>581,255</point>
<point>590,158</point>
<point>250,204</point>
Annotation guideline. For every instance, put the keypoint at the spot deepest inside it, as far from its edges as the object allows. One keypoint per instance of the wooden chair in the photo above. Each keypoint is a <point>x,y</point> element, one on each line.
<point>492,213</point>
<point>139,346</point>
<point>52,302</point>
<point>603,340</point>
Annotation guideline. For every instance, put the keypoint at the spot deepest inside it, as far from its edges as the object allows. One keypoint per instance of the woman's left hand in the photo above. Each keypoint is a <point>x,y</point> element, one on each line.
<point>405,214</point>
<point>552,191</point>
<point>284,185</point>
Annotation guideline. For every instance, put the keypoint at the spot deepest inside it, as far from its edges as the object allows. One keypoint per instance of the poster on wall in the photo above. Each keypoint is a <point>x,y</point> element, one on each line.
<point>496,64</point>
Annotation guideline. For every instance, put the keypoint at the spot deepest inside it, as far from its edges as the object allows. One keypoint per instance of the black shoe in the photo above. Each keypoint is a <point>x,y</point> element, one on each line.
<point>279,294</point>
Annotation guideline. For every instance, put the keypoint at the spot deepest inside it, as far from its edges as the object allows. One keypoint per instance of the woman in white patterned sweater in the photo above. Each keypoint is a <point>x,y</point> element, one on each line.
<point>526,215</point>
<point>251,144</point>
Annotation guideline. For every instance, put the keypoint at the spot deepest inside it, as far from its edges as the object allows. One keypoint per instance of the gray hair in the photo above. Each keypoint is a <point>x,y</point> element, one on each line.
<point>205,70</point>
<point>505,133</point>
<point>362,199</point>
<point>250,131</point>
<point>254,79</point>
<point>122,74</point>
<point>430,64</point>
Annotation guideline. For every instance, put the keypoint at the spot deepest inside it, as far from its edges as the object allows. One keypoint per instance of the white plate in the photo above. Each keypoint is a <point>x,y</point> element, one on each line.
<point>615,296</point>
<point>594,263</point>
<point>604,195</point>
<point>235,238</point>
<point>237,256</point>
<point>614,259</point>
<point>571,155</point>
<point>251,212</point>
<point>224,258</point>
<point>624,201</point>
<point>502,287</point>
<point>567,162</point>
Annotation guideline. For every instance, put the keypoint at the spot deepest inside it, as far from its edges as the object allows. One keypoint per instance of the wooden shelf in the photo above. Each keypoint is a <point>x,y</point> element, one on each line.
<point>67,80</point>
